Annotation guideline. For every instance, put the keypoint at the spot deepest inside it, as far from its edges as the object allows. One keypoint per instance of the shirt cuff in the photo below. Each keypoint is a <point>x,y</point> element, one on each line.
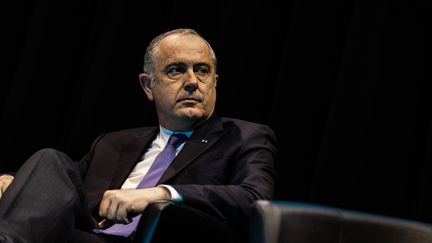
<point>175,196</point>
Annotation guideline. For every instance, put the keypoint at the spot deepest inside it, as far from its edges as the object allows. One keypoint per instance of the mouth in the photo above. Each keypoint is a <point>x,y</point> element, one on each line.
<point>189,99</point>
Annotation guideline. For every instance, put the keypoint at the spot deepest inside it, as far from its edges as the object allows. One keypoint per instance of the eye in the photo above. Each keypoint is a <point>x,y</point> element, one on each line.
<point>202,71</point>
<point>174,71</point>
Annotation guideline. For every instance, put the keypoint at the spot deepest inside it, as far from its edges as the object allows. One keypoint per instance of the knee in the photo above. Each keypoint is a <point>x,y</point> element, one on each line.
<point>49,158</point>
<point>50,155</point>
<point>47,152</point>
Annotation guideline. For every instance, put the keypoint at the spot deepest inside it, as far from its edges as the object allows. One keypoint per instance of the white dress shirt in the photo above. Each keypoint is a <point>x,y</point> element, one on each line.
<point>146,160</point>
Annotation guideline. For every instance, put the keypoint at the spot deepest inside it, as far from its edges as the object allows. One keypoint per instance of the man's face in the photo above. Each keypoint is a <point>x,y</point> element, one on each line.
<point>184,86</point>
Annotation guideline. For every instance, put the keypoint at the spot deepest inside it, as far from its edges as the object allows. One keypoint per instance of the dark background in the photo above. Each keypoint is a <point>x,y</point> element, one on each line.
<point>343,85</point>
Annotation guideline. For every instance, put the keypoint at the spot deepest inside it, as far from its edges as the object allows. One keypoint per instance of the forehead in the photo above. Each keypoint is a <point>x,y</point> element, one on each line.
<point>182,48</point>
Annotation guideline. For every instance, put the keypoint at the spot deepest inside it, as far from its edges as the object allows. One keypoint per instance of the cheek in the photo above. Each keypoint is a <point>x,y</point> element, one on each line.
<point>164,100</point>
<point>210,98</point>
<point>167,95</point>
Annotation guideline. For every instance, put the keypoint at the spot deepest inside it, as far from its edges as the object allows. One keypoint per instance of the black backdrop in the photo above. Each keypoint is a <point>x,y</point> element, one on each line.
<point>344,86</point>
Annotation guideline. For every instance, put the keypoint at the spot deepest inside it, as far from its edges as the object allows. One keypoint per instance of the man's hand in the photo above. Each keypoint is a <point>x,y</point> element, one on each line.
<point>5,181</point>
<point>119,206</point>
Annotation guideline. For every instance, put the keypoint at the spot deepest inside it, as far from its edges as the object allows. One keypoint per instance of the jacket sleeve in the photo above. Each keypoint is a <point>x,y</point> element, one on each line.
<point>252,177</point>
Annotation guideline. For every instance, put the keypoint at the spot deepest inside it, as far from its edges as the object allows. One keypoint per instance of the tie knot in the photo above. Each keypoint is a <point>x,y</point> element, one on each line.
<point>176,139</point>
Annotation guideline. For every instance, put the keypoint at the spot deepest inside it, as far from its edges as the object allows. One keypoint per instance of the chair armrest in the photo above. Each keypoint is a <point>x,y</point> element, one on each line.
<point>167,221</point>
<point>289,221</point>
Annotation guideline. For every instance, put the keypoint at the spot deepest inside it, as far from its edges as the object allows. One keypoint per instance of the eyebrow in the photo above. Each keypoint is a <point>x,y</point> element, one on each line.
<point>177,63</point>
<point>202,64</point>
<point>174,63</point>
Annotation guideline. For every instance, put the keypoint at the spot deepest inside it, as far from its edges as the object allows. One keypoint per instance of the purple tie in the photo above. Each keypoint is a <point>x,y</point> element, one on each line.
<point>160,164</point>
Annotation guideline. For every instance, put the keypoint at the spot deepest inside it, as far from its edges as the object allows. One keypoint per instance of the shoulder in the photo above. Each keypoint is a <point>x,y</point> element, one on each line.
<point>136,131</point>
<point>244,124</point>
<point>129,134</point>
<point>247,129</point>
<point>247,136</point>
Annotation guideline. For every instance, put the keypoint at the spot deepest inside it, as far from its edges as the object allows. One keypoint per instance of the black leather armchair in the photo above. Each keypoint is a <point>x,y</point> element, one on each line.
<point>167,221</point>
<point>293,222</point>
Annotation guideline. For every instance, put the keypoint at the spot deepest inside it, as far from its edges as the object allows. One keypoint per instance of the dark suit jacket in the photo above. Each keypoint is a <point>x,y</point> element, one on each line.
<point>225,166</point>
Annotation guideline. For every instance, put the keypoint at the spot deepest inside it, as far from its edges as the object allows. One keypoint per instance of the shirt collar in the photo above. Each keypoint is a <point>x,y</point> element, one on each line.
<point>165,133</point>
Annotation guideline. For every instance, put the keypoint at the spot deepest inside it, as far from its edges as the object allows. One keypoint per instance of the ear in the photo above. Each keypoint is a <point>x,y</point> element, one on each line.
<point>146,81</point>
<point>216,79</point>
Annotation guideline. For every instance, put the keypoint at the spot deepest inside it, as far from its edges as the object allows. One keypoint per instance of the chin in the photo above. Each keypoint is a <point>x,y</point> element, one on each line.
<point>192,114</point>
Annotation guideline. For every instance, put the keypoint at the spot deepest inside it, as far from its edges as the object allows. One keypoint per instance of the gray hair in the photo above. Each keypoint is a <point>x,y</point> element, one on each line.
<point>151,48</point>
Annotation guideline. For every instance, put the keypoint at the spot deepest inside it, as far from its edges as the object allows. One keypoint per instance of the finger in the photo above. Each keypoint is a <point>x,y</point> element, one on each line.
<point>104,205</point>
<point>112,211</point>
<point>122,215</point>
<point>105,223</point>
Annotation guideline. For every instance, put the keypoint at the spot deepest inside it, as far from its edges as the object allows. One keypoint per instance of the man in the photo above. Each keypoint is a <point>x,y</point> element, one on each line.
<point>223,167</point>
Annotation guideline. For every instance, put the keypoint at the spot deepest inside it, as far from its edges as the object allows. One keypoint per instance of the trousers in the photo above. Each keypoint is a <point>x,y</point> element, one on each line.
<point>44,201</point>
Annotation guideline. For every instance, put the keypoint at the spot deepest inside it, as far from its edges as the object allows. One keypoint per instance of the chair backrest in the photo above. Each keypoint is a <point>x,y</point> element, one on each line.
<point>295,222</point>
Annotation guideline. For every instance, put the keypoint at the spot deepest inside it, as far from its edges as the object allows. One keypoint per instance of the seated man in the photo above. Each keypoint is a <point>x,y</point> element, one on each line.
<point>221,165</point>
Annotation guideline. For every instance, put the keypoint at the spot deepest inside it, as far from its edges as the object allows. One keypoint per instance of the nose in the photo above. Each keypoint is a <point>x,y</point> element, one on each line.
<point>191,81</point>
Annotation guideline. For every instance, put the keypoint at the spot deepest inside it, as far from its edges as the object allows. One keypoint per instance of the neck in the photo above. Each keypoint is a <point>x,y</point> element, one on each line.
<point>183,125</point>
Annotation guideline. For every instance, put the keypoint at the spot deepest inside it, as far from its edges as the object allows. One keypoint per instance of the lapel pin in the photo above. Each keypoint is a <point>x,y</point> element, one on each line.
<point>204,140</point>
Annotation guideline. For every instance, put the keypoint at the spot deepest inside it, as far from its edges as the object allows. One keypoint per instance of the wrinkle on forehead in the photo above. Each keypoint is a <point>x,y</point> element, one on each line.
<point>183,48</point>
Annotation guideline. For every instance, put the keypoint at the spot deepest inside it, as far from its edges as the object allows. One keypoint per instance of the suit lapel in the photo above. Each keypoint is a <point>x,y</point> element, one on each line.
<point>129,156</point>
<point>201,140</point>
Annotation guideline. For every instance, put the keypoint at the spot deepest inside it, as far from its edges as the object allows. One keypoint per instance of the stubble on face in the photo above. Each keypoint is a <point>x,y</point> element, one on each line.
<point>178,107</point>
